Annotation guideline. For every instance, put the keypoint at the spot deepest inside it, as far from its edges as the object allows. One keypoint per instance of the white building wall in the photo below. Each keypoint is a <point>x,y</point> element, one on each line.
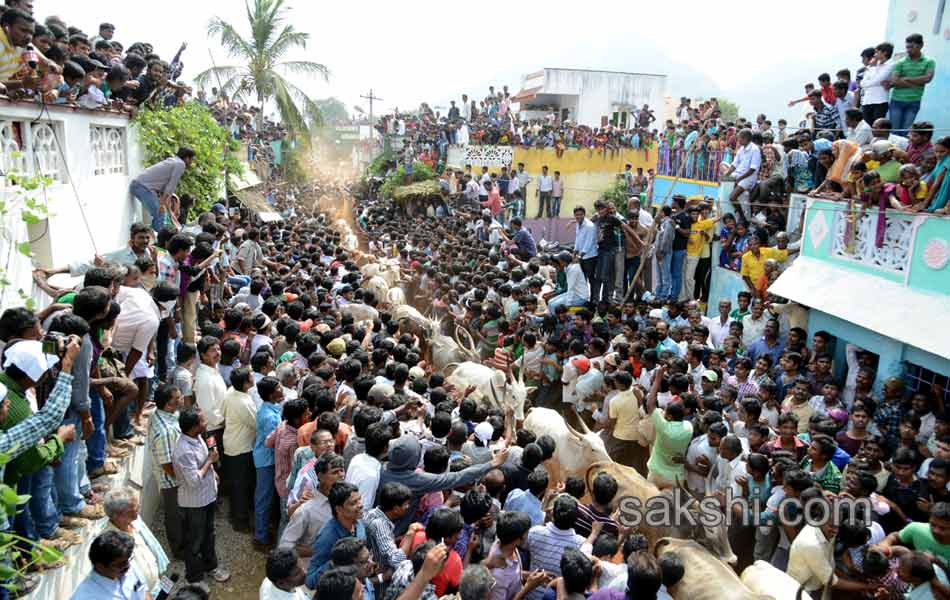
<point>600,91</point>
<point>92,156</point>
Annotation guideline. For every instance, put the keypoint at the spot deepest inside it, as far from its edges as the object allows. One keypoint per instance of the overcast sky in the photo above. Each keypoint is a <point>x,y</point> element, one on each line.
<point>755,53</point>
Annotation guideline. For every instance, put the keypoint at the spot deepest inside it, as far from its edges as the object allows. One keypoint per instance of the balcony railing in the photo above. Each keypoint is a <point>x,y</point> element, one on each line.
<point>703,164</point>
<point>855,238</point>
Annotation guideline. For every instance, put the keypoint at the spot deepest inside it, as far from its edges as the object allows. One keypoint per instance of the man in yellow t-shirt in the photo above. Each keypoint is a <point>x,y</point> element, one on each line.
<point>700,232</point>
<point>753,261</point>
<point>16,30</point>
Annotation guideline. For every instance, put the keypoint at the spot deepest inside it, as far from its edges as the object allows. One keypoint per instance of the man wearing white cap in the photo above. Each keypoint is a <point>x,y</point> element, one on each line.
<point>24,366</point>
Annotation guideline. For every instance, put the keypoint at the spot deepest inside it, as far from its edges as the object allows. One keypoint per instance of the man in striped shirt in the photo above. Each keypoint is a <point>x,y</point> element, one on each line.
<point>163,434</point>
<point>548,542</point>
<point>16,31</point>
<point>197,494</point>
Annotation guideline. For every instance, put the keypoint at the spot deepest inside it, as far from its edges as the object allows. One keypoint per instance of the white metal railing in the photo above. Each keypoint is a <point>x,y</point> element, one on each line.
<point>855,239</point>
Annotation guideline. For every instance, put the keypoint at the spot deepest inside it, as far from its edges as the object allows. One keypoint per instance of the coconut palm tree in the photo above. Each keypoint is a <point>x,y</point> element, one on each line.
<point>263,74</point>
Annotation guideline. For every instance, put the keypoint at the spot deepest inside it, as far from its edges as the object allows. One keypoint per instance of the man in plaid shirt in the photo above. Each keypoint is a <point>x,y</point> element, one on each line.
<point>163,434</point>
<point>31,363</point>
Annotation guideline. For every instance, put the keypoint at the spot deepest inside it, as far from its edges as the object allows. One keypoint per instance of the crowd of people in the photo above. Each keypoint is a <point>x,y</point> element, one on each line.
<point>56,63</point>
<point>266,379</point>
<point>361,472</point>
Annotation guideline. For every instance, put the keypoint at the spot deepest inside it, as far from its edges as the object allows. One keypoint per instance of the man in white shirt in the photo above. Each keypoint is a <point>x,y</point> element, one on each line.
<point>859,131</point>
<point>364,469</point>
<point>578,289</point>
<point>705,446</point>
<point>719,327</point>
<point>209,387</point>
<point>545,186</point>
<point>729,467</point>
<point>285,577</point>
<point>874,96</point>
<point>744,169</point>
<point>240,429</point>
<point>811,560</point>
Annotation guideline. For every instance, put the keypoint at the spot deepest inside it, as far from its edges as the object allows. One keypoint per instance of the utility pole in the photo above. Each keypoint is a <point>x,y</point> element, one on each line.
<point>371,99</point>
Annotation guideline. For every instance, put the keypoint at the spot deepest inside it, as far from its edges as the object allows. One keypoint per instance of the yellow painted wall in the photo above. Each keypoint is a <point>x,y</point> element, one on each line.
<point>587,175</point>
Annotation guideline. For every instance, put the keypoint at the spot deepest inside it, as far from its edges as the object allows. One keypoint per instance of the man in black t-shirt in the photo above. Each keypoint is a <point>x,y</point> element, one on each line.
<point>681,223</point>
<point>608,227</point>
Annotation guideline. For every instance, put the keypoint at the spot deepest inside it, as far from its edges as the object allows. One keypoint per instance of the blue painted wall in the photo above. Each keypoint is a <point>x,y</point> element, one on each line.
<point>686,187</point>
<point>889,350</point>
<point>920,16</point>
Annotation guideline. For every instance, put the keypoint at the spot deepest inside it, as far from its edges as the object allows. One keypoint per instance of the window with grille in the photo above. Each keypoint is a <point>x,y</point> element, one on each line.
<point>108,150</point>
<point>919,378</point>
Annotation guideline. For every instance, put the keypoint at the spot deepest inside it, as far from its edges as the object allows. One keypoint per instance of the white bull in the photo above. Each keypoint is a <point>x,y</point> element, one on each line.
<point>378,286</point>
<point>491,385</point>
<point>706,577</point>
<point>763,578</point>
<point>396,297</point>
<point>359,312</point>
<point>574,451</point>
<point>444,350</point>
<point>408,312</point>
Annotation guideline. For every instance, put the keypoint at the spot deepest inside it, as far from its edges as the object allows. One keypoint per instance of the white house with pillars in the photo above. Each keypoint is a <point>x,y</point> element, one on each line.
<point>589,97</point>
<point>91,156</point>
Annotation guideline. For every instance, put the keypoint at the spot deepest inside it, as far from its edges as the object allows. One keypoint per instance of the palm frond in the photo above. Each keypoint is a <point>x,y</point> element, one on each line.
<point>233,43</point>
<point>305,67</point>
<point>310,108</point>
<point>288,39</point>
<point>290,115</point>
<point>265,20</point>
<point>213,75</point>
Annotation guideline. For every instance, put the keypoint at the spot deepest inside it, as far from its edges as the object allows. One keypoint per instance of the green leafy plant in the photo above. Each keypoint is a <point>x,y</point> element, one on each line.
<point>617,193</point>
<point>18,554</point>
<point>396,179</point>
<point>26,195</point>
<point>163,132</point>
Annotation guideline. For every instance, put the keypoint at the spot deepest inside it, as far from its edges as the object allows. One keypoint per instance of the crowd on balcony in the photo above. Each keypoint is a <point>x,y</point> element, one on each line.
<point>57,63</point>
<point>492,121</point>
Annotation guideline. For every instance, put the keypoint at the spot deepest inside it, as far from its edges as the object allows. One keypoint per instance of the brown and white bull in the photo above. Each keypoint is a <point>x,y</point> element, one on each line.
<point>706,577</point>
<point>574,450</point>
<point>491,385</point>
<point>762,578</point>
<point>634,494</point>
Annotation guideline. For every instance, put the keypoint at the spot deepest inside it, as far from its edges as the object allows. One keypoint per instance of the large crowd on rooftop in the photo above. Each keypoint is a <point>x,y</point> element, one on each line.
<point>273,372</point>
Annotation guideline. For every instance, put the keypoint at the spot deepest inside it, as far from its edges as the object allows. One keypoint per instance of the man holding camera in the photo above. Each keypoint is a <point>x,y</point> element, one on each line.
<point>26,365</point>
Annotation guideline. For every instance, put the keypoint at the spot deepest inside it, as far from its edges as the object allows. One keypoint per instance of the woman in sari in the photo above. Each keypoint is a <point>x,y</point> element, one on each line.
<point>939,194</point>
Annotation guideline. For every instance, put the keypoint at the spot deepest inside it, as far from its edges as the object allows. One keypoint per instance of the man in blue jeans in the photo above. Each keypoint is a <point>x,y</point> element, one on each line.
<point>681,224</point>
<point>156,184</point>
<point>908,79</point>
<point>268,418</point>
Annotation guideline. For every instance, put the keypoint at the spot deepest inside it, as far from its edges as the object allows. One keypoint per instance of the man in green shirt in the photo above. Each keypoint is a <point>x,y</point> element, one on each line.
<point>908,79</point>
<point>933,537</point>
<point>672,436</point>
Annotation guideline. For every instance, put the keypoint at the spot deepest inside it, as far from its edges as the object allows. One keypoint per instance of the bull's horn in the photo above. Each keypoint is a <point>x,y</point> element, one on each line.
<point>572,431</point>
<point>680,485</point>
<point>471,350</point>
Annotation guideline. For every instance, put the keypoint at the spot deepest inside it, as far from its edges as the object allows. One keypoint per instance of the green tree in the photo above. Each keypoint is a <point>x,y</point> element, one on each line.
<point>163,132</point>
<point>729,110</point>
<point>332,110</point>
<point>263,71</point>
